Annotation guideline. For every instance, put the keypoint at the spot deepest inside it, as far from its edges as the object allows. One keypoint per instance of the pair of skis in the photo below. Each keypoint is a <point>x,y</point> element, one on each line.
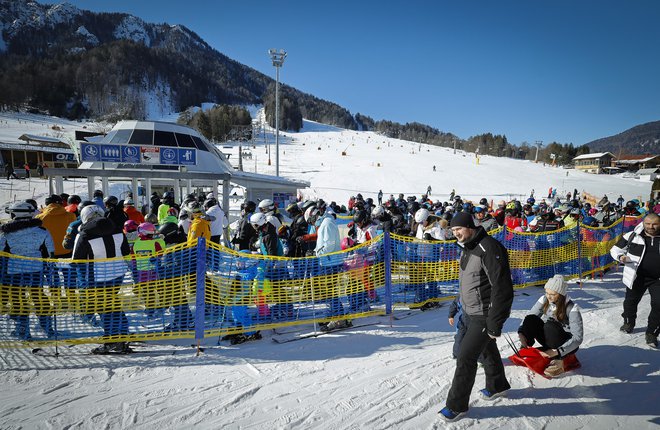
<point>296,336</point>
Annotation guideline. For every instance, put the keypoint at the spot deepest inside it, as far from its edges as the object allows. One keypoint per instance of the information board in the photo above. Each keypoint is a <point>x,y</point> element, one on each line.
<point>134,154</point>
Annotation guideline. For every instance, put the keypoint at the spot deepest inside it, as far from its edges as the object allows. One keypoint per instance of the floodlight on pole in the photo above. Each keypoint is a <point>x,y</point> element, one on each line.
<point>278,57</point>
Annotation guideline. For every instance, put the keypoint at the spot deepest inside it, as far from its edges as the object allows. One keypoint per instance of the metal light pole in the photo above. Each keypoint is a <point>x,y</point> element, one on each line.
<point>278,60</point>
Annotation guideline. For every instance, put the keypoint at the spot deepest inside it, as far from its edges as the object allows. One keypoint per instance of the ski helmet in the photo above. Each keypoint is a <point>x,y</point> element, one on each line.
<point>21,210</point>
<point>360,217</point>
<point>54,198</point>
<point>90,213</point>
<point>130,226</point>
<point>74,200</point>
<point>266,205</point>
<point>146,229</point>
<point>110,201</point>
<point>311,214</point>
<point>209,203</point>
<point>250,206</point>
<point>257,220</point>
<point>421,216</point>
<point>347,242</point>
<point>293,209</point>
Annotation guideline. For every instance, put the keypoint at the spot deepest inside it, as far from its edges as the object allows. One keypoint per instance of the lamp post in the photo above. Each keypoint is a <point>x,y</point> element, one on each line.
<point>278,57</point>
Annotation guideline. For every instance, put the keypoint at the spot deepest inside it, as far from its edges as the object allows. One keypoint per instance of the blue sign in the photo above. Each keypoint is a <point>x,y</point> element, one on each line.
<point>110,153</point>
<point>90,152</point>
<point>130,154</point>
<point>169,156</point>
<point>187,157</point>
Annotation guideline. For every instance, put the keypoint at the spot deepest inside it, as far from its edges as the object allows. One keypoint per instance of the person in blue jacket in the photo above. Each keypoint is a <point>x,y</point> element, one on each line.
<point>25,236</point>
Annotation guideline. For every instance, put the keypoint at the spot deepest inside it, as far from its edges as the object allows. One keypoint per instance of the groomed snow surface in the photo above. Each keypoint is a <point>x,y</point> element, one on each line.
<point>378,377</point>
<point>393,375</point>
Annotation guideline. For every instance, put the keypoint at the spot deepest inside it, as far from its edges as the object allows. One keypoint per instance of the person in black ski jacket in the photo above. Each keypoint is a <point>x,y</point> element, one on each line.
<point>98,239</point>
<point>245,235</point>
<point>115,213</point>
<point>299,228</point>
<point>486,292</point>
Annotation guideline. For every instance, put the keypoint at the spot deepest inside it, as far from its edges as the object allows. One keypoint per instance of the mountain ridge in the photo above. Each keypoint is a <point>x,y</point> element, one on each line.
<point>640,139</point>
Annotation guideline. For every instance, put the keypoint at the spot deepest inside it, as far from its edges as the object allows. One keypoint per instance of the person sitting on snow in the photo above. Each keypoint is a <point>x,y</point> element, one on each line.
<point>555,322</point>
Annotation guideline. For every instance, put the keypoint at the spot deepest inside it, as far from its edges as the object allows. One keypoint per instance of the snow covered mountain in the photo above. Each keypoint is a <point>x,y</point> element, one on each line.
<point>76,63</point>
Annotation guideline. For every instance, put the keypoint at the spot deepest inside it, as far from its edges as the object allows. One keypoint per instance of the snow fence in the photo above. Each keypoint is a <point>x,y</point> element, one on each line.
<point>198,290</point>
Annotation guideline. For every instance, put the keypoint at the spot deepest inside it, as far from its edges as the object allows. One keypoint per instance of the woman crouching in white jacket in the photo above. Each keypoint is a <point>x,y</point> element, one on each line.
<point>555,322</point>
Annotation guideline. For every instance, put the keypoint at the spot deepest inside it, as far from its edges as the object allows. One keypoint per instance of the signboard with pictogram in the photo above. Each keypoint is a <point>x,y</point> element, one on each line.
<point>150,154</point>
<point>133,154</point>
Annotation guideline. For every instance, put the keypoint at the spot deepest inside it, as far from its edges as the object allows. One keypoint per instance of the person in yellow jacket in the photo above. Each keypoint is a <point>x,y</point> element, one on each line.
<point>200,226</point>
<point>164,208</point>
<point>56,220</point>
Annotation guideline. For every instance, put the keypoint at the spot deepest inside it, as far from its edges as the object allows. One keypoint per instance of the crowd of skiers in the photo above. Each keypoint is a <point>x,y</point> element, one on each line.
<point>96,229</point>
<point>426,219</point>
<point>101,228</point>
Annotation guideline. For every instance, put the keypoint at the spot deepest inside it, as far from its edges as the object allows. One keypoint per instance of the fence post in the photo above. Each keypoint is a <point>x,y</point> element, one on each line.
<point>579,245</point>
<point>200,305</point>
<point>387,245</point>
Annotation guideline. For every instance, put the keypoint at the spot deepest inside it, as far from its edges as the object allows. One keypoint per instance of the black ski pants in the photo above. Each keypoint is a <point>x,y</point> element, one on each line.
<point>475,343</point>
<point>549,334</point>
<point>634,296</point>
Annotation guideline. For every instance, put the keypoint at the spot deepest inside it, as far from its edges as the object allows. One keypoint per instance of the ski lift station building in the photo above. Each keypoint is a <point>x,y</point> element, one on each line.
<point>154,155</point>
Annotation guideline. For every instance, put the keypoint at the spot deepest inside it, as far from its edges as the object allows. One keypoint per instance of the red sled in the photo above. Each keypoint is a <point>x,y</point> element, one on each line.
<point>532,358</point>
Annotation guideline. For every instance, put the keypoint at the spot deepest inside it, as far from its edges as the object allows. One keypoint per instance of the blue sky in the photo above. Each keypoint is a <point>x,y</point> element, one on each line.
<point>566,70</point>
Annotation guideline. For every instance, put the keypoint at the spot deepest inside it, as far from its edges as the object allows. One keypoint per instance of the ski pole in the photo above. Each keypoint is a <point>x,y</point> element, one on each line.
<point>511,344</point>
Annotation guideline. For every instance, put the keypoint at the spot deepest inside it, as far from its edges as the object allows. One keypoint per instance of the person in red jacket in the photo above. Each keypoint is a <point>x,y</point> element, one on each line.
<point>512,219</point>
<point>498,214</point>
<point>132,213</point>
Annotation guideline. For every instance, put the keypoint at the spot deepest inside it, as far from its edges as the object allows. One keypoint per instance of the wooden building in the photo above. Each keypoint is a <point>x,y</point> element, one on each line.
<point>593,163</point>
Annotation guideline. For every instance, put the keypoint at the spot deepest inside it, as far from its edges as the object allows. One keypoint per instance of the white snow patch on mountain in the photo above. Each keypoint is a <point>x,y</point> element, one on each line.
<point>89,37</point>
<point>158,102</point>
<point>133,28</point>
<point>59,13</point>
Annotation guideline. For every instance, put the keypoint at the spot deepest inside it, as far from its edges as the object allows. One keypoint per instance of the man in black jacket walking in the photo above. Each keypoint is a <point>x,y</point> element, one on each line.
<point>486,292</point>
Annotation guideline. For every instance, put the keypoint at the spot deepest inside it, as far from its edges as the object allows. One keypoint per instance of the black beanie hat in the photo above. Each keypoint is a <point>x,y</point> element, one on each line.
<point>462,219</point>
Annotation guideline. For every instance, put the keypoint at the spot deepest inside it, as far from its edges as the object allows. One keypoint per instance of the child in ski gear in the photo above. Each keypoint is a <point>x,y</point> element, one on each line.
<point>200,226</point>
<point>131,232</point>
<point>555,322</point>
<point>147,245</point>
<point>456,319</point>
